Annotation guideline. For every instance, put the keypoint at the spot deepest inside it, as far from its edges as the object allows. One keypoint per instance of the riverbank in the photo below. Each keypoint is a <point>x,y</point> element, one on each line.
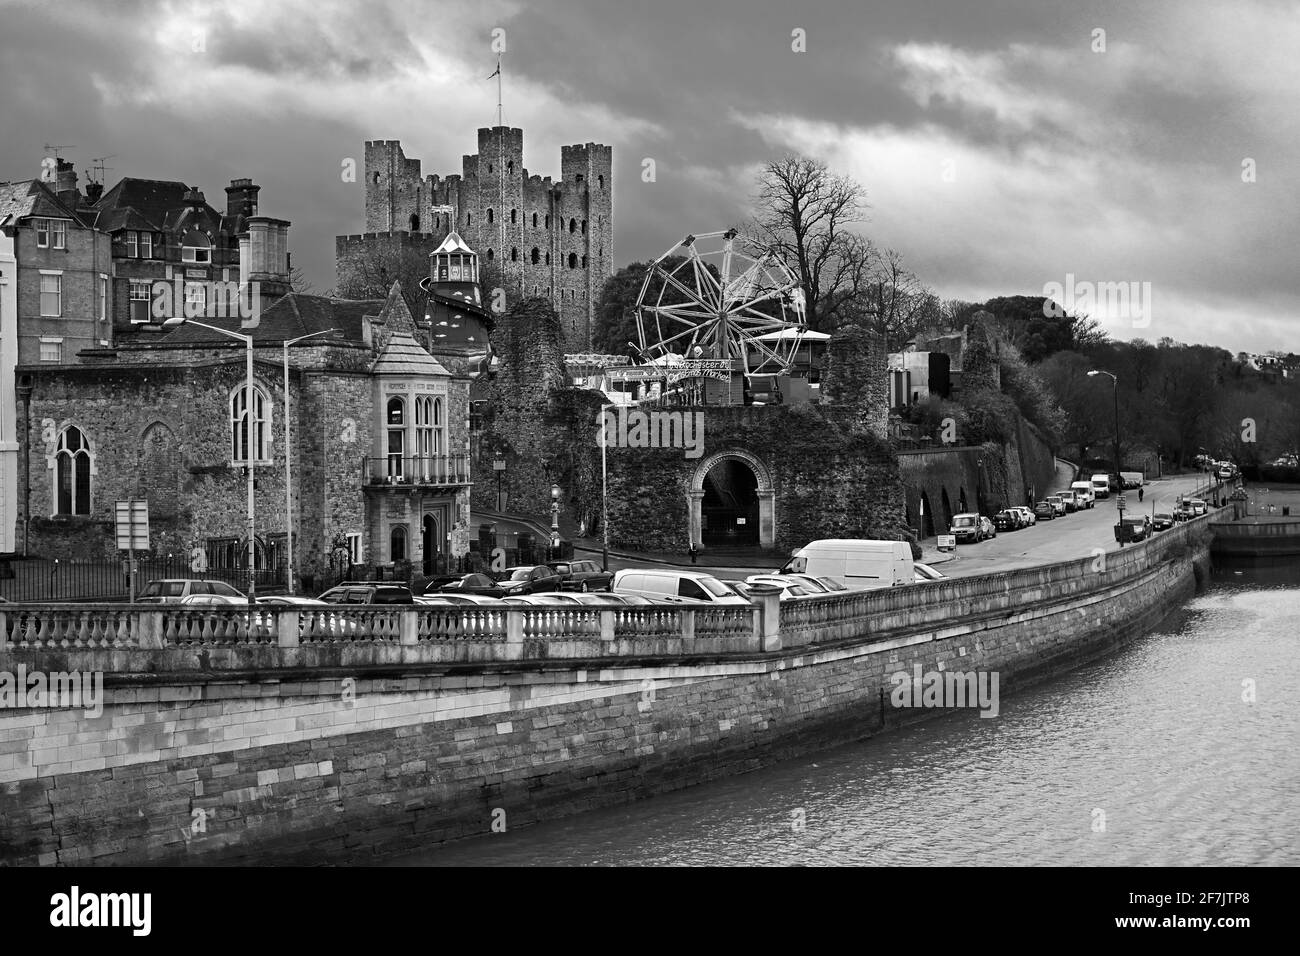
<point>344,751</point>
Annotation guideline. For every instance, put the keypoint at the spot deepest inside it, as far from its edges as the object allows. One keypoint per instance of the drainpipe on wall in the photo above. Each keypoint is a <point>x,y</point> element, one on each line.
<point>24,389</point>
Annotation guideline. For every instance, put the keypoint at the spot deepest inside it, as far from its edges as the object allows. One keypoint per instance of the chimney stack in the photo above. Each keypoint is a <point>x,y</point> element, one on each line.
<point>193,196</point>
<point>264,257</point>
<point>241,198</point>
<point>65,182</point>
<point>93,192</point>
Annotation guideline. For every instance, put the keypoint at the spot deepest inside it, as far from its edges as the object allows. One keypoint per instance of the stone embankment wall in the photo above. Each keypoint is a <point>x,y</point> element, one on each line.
<point>208,750</point>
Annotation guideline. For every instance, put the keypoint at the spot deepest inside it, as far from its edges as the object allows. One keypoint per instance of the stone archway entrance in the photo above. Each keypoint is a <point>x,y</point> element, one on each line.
<point>731,501</point>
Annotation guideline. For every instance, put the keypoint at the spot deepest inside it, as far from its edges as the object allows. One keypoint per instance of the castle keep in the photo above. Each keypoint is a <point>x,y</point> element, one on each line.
<point>540,237</point>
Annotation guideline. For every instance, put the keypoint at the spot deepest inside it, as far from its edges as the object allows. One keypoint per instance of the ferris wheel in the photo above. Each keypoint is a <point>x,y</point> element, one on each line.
<point>719,295</point>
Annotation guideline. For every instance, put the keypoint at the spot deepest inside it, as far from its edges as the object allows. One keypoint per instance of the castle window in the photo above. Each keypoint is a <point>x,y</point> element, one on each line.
<point>578,178</point>
<point>584,262</point>
<point>397,543</point>
<point>548,220</point>
<point>376,179</point>
<point>601,181</point>
<point>514,216</point>
<point>489,169</point>
<point>489,216</point>
<point>573,260</point>
<point>573,225</point>
<point>548,258</point>
<point>534,220</point>
<point>240,421</point>
<point>584,227</point>
<point>510,166</point>
<point>415,223</point>
<point>469,218</point>
<point>536,255</point>
<point>72,463</point>
<point>491,255</point>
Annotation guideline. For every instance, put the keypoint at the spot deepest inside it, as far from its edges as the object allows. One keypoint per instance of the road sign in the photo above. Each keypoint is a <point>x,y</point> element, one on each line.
<point>1119,502</point>
<point>947,542</point>
<point>132,525</point>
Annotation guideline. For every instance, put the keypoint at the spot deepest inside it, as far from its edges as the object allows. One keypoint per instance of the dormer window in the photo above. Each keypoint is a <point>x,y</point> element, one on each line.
<point>196,248</point>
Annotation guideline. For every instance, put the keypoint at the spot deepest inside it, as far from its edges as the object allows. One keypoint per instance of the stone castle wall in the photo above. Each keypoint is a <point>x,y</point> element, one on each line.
<point>548,238</point>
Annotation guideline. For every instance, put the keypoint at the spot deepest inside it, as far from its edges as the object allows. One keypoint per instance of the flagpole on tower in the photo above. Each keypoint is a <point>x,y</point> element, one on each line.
<point>497,74</point>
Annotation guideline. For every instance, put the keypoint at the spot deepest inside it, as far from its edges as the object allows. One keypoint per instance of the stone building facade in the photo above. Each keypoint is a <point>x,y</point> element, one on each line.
<point>545,238</point>
<point>378,444</point>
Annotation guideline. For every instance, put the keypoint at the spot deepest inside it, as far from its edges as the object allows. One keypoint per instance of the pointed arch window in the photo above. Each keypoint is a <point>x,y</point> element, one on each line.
<point>72,461</point>
<point>490,215</point>
<point>242,418</point>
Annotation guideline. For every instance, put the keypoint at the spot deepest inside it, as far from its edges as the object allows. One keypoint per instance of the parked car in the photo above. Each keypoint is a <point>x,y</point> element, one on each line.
<point>1044,510</point>
<point>926,574</point>
<point>1163,521</point>
<point>1007,520</point>
<point>1183,512</point>
<point>368,592</point>
<point>1227,472</point>
<point>789,587</point>
<point>529,579</point>
<point>830,584</point>
<point>464,598</point>
<point>214,600</point>
<point>174,590</point>
<point>1058,504</point>
<point>599,599</point>
<point>990,530</point>
<point>1199,507</point>
<point>291,600</point>
<point>659,585</point>
<point>1130,530</point>
<point>543,599</point>
<point>967,527</point>
<point>1027,514</point>
<point>583,576</point>
<point>813,584</point>
<point>1072,504</point>
<point>739,587</point>
<point>478,583</point>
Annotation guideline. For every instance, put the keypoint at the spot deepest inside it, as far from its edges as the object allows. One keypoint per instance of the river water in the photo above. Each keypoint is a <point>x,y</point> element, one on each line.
<point>1149,757</point>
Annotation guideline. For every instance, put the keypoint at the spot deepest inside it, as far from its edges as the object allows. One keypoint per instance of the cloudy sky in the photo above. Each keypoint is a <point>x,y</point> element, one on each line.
<point>1004,144</point>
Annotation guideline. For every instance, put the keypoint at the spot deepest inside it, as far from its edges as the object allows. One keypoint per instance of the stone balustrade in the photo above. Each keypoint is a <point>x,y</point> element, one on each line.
<point>167,638</point>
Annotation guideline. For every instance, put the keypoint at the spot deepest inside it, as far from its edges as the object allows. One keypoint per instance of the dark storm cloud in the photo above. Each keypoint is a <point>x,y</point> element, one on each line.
<point>1115,166</point>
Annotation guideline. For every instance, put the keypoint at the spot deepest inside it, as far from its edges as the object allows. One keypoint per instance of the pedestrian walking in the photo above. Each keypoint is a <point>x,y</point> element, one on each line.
<point>1139,494</point>
<point>694,552</point>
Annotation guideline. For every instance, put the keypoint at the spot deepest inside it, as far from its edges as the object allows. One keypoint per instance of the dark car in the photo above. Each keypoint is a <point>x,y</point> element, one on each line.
<point>1162,521</point>
<point>529,579</point>
<point>583,576</point>
<point>368,593</point>
<point>476,583</point>
<point>1130,530</point>
<point>1044,511</point>
<point>1006,521</point>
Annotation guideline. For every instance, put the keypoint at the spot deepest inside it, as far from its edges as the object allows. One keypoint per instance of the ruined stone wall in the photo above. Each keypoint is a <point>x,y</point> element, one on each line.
<point>830,478</point>
<point>857,377</point>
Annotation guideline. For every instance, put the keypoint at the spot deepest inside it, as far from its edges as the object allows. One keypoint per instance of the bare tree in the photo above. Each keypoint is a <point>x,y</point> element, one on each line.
<point>370,276</point>
<point>804,214</point>
<point>897,304</point>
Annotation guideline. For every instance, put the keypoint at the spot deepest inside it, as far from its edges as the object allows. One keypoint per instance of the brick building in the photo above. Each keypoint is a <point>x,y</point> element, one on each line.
<point>544,238</point>
<point>55,270</point>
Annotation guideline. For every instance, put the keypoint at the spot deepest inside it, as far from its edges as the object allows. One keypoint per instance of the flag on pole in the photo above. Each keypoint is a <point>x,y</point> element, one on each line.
<point>497,71</point>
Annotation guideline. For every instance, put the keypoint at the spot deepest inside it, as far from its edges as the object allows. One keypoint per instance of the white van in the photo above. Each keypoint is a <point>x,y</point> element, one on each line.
<point>854,562</point>
<point>674,585</point>
<point>1101,485</point>
<point>1084,492</point>
<point>1132,479</point>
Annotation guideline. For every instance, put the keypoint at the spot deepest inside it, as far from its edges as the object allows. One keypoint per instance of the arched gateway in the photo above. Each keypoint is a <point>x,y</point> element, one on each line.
<point>762,490</point>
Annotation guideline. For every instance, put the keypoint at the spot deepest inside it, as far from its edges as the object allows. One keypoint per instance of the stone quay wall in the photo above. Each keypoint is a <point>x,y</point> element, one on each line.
<point>222,746</point>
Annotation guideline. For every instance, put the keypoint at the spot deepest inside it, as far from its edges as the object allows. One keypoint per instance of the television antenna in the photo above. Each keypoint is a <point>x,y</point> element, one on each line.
<point>98,169</point>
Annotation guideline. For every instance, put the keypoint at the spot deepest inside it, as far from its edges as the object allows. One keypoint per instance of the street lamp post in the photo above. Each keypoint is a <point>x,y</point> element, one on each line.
<point>249,447</point>
<point>288,457</point>
<point>604,493</point>
<point>1119,477</point>
<point>555,521</point>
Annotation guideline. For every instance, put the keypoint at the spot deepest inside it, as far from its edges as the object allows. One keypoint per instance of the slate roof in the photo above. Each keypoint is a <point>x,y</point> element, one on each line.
<point>287,318</point>
<point>31,197</point>
<point>155,205</point>
<point>405,356</point>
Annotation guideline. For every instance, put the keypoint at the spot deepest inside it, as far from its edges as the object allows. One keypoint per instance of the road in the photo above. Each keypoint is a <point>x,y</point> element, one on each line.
<point>1063,539</point>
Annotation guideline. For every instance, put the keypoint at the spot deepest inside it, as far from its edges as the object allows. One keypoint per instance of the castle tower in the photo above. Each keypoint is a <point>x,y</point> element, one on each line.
<point>543,238</point>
